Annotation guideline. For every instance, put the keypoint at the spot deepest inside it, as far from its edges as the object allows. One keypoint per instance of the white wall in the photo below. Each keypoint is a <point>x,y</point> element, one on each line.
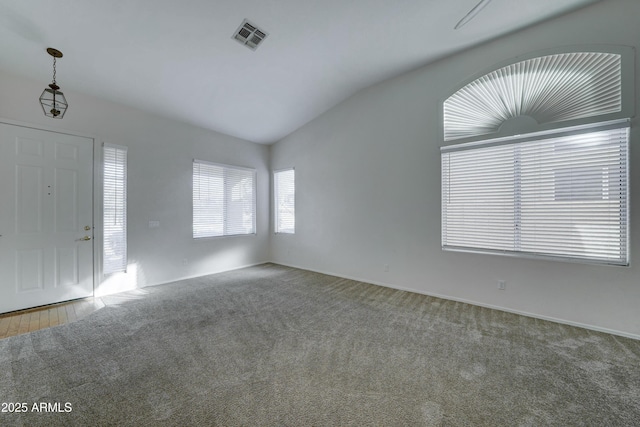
<point>159,183</point>
<point>368,190</point>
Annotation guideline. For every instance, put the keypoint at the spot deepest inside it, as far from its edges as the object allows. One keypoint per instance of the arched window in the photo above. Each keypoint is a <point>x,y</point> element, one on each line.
<point>542,164</point>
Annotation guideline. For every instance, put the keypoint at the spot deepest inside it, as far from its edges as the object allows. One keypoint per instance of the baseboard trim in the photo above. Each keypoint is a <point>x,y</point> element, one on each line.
<point>214,272</point>
<point>195,276</point>
<point>476,303</point>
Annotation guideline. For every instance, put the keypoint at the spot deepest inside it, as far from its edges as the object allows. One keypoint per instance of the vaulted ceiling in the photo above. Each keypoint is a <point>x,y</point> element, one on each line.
<point>178,58</point>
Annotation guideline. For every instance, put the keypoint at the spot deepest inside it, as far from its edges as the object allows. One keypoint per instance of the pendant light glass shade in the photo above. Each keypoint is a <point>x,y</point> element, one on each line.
<point>53,102</point>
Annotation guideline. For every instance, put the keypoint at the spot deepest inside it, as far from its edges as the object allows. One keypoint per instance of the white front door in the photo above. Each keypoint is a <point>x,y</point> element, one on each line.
<point>46,220</point>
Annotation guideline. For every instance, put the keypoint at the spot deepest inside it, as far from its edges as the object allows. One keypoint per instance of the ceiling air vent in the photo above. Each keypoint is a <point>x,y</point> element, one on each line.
<point>249,35</point>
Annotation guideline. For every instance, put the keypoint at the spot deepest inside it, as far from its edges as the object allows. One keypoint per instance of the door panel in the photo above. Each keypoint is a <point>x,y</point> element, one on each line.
<point>30,270</point>
<point>66,201</point>
<point>29,195</point>
<point>67,263</point>
<point>46,201</point>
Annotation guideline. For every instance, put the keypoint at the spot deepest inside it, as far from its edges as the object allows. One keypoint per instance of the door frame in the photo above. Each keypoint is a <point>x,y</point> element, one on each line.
<point>96,187</point>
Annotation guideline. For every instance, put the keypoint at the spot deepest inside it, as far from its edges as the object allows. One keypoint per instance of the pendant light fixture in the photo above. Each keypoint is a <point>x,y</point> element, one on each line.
<point>53,102</point>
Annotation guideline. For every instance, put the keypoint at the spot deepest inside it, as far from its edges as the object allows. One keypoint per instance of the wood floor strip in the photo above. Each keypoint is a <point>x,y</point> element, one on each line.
<point>53,317</point>
<point>24,323</point>
<point>4,327</point>
<point>82,309</point>
<point>62,315</point>
<point>34,323</point>
<point>44,319</point>
<point>30,320</point>
<point>14,326</point>
<point>71,313</point>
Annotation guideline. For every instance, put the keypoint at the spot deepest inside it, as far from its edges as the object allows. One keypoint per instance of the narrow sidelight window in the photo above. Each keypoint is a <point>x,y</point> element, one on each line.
<point>114,208</point>
<point>285,201</point>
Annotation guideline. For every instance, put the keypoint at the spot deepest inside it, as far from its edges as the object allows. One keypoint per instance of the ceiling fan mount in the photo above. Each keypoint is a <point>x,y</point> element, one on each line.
<point>472,14</point>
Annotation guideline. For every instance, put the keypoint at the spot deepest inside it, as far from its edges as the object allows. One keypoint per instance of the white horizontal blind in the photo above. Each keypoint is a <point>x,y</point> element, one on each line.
<point>562,196</point>
<point>285,202</point>
<point>114,208</point>
<point>224,200</point>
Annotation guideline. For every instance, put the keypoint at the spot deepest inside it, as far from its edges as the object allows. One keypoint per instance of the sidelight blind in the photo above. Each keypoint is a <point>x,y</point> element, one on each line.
<point>114,208</point>
<point>285,201</point>
<point>559,195</point>
<point>224,200</point>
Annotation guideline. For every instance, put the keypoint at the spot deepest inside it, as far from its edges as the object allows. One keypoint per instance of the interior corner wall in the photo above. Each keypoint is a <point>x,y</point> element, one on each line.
<point>368,190</point>
<point>160,155</point>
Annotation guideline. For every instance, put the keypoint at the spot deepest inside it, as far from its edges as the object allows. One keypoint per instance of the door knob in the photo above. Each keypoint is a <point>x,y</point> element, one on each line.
<point>87,227</point>
<point>83,239</point>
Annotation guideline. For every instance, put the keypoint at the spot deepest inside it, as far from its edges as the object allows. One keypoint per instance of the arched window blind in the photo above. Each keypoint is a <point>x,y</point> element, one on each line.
<point>285,201</point>
<point>224,200</point>
<point>549,89</point>
<point>559,192</point>
<point>114,209</point>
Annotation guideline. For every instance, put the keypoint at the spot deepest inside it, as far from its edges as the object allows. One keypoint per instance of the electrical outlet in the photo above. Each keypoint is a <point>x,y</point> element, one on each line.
<point>386,267</point>
<point>185,261</point>
<point>502,285</point>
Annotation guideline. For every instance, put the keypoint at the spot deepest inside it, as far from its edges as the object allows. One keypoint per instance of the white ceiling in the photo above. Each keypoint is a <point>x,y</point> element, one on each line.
<point>177,58</point>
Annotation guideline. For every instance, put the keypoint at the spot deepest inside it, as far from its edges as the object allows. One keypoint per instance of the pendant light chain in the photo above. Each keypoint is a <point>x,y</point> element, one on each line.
<point>54,70</point>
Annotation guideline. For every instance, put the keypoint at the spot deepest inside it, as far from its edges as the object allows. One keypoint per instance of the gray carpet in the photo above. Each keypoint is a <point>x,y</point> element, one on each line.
<point>276,346</point>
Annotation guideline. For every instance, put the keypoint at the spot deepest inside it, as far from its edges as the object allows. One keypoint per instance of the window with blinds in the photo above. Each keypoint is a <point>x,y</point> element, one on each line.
<point>224,200</point>
<point>560,195</point>
<point>114,208</point>
<point>285,201</point>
